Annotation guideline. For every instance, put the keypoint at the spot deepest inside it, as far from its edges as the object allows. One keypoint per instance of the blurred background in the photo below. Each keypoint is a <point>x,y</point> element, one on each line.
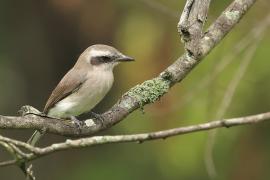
<point>41,40</point>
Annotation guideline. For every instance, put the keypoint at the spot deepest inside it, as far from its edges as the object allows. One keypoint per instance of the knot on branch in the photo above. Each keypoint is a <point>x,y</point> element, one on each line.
<point>184,32</point>
<point>191,24</point>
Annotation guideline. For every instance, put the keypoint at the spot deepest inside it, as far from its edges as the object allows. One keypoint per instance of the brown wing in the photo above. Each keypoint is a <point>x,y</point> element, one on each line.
<point>71,82</point>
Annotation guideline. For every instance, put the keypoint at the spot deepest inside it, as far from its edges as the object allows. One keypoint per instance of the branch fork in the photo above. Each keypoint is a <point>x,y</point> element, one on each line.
<point>191,24</point>
<point>197,45</point>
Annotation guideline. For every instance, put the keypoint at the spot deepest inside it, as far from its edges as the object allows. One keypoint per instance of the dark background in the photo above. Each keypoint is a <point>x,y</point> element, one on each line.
<point>41,40</point>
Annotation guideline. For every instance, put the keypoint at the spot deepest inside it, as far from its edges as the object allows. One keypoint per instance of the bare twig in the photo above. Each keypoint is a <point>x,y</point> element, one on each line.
<point>8,163</point>
<point>227,99</point>
<point>197,44</point>
<point>226,60</point>
<point>145,93</point>
<point>183,22</point>
<point>36,152</point>
<point>19,157</point>
<point>30,173</point>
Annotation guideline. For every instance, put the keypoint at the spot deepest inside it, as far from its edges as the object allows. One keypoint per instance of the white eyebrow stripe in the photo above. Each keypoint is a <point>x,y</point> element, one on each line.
<point>95,53</point>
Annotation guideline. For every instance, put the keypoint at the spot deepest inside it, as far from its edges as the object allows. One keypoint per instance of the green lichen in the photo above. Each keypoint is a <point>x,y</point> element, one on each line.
<point>149,91</point>
<point>232,15</point>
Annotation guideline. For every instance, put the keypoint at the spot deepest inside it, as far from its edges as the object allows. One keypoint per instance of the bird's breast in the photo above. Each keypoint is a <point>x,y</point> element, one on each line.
<point>91,92</point>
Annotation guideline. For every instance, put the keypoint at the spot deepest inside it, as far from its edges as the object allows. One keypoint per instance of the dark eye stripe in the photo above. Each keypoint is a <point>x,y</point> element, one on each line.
<point>105,58</point>
<point>101,59</point>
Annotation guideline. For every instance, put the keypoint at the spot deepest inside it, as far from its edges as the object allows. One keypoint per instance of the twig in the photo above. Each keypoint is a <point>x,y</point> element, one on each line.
<point>226,60</point>
<point>19,158</point>
<point>145,93</point>
<point>183,22</point>
<point>258,29</point>
<point>8,163</point>
<point>227,99</point>
<point>197,45</point>
<point>37,152</point>
<point>191,23</point>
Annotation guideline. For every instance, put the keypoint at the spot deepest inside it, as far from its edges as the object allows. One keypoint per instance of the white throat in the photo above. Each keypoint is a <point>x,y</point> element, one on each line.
<point>105,67</point>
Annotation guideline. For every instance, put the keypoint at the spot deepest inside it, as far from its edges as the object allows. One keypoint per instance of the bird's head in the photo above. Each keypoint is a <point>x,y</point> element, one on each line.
<point>103,57</point>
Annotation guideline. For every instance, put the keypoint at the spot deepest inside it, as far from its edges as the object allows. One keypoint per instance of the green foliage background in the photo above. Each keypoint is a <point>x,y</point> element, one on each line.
<point>41,40</point>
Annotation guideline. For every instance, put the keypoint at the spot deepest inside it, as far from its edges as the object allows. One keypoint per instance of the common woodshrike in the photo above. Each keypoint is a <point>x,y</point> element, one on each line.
<point>86,84</point>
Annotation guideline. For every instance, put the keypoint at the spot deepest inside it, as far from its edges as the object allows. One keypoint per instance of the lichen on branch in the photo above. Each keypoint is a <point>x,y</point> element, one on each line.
<point>149,91</point>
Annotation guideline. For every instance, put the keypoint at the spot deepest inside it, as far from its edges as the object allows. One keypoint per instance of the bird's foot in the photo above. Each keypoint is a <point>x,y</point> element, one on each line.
<point>77,122</point>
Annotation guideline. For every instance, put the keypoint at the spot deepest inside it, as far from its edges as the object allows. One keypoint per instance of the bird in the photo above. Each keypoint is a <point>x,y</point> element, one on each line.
<point>84,85</point>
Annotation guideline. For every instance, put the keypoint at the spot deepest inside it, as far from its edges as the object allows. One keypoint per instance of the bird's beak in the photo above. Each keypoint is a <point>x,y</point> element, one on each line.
<point>124,58</point>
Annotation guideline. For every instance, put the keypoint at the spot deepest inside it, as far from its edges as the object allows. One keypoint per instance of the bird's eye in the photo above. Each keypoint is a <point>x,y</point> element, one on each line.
<point>105,58</point>
<point>100,60</point>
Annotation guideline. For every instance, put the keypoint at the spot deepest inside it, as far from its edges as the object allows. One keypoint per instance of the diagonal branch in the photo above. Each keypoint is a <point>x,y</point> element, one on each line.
<point>191,24</point>
<point>145,93</point>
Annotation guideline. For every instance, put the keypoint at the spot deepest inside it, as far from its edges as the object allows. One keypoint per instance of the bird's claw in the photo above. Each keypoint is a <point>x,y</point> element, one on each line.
<point>77,122</point>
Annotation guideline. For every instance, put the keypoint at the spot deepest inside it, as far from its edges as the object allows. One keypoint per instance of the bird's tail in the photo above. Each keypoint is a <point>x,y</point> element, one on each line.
<point>35,137</point>
<point>25,110</point>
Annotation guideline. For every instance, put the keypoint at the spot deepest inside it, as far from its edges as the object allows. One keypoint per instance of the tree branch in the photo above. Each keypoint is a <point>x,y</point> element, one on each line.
<point>36,152</point>
<point>225,104</point>
<point>191,24</point>
<point>145,93</point>
<point>8,163</point>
